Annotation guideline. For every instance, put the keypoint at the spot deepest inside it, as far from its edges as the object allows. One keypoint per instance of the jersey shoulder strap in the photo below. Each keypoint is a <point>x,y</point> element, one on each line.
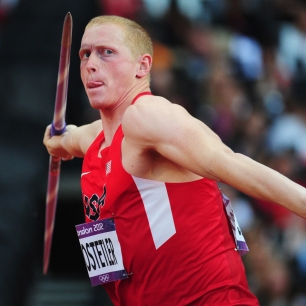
<point>142,94</point>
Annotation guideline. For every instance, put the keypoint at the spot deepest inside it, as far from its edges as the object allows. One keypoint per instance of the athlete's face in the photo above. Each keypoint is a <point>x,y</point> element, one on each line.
<point>108,69</point>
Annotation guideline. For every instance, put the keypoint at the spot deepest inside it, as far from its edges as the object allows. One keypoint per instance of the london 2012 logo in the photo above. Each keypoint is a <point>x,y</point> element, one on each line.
<point>104,278</point>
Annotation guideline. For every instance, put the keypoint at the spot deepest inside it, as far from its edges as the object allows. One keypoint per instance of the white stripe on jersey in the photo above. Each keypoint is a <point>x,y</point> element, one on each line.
<point>157,206</point>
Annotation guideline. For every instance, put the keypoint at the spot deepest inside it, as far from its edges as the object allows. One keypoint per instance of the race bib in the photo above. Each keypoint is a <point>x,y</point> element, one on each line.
<point>101,251</point>
<point>241,245</point>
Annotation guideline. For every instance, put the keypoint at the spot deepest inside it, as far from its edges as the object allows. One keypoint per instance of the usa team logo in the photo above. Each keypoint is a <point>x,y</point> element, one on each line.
<point>94,204</point>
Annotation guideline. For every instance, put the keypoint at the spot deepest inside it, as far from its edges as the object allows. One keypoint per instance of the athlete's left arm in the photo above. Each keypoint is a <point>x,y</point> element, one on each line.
<point>157,124</point>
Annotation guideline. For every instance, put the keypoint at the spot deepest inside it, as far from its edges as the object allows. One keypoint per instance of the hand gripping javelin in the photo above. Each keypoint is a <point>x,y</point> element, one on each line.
<point>58,127</point>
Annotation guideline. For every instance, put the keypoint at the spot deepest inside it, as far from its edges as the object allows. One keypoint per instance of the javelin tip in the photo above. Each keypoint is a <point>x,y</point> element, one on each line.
<point>67,31</point>
<point>68,18</point>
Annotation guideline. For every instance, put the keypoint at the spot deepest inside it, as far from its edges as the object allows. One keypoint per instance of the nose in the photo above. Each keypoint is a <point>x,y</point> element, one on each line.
<point>91,64</point>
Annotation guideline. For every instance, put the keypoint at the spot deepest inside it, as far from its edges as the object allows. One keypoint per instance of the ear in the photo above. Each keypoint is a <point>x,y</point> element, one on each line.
<point>145,64</point>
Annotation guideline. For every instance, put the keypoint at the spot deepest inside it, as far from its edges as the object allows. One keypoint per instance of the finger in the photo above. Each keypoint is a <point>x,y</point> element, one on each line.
<point>68,158</point>
<point>47,134</point>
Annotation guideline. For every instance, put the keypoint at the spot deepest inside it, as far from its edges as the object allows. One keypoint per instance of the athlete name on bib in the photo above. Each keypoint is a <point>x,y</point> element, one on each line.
<point>101,251</point>
<point>241,245</point>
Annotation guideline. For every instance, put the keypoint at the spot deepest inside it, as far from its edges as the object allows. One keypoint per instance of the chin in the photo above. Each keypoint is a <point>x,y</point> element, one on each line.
<point>96,105</point>
<point>95,100</point>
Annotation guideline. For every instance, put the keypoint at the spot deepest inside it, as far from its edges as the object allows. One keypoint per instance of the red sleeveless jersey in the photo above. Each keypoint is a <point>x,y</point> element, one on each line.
<point>175,238</point>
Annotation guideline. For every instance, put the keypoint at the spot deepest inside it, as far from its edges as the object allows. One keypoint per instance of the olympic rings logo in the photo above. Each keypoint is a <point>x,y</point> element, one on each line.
<point>104,278</point>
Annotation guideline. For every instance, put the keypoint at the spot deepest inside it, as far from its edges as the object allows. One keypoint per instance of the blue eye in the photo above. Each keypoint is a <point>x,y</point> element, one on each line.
<point>84,54</point>
<point>108,52</point>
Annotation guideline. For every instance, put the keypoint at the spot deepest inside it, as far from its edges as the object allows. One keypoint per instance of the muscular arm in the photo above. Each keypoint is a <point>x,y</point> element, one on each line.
<point>74,142</point>
<point>168,129</point>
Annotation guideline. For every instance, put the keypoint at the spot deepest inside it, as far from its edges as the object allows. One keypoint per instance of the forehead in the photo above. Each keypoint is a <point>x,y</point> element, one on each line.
<point>106,34</point>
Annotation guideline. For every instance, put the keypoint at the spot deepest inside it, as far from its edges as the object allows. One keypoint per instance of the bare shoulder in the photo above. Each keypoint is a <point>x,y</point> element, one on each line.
<point>145,106</point>
<point>91,130</point>
<point>152,105</point>
<point>163,137</point>
<point>150,117</point>
<point>86,134</point>
<point>96,127</point>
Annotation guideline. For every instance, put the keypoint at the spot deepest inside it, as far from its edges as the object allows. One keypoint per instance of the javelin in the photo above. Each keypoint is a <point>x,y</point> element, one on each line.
<point>58,127</point>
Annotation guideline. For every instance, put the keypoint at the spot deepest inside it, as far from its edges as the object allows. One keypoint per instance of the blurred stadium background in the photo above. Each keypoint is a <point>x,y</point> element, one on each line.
<point>237,65</point>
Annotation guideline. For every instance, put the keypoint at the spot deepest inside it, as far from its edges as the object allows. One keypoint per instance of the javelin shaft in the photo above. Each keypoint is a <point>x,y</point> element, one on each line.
<point>62,79</point>
<point>58,127</point>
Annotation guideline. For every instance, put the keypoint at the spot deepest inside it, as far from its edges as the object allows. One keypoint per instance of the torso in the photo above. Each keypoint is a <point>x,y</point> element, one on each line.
<point>176,242</point>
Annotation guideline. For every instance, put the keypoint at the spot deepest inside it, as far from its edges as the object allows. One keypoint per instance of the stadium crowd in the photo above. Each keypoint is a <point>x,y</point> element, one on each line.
<point>237,65</point>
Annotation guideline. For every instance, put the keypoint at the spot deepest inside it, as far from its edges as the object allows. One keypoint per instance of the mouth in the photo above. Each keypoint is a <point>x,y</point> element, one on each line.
<point>93,84</point>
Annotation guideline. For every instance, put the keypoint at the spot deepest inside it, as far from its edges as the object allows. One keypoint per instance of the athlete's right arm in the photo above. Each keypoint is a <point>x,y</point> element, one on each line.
<point>74,142</point>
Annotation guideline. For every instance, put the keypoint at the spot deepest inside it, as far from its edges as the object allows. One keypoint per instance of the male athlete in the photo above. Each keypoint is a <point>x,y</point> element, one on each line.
<point>154,169</point>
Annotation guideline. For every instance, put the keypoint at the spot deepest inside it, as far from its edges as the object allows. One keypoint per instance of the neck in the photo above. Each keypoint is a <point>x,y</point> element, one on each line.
<point>112,118</point>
